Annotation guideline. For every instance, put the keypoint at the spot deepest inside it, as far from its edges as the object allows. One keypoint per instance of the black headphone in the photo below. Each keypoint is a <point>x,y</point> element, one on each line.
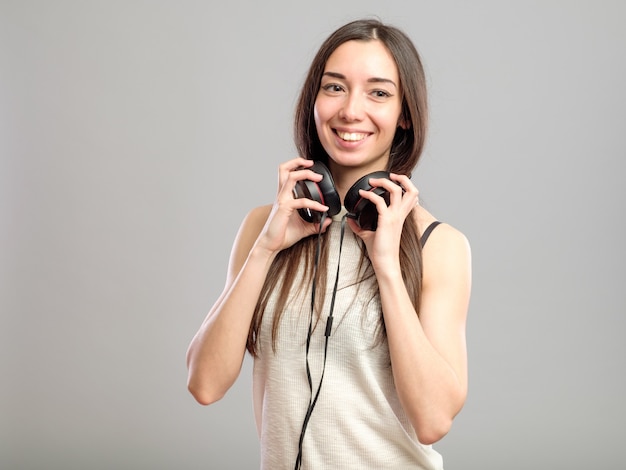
<point>324,192</point>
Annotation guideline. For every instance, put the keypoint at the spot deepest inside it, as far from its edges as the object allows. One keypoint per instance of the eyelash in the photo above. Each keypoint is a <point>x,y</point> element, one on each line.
<point>333,87</point>
<point>382,94</point>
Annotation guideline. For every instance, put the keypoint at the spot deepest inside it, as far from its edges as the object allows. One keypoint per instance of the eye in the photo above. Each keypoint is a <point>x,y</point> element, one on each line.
<point>381,94</point>
<point>332,88</point>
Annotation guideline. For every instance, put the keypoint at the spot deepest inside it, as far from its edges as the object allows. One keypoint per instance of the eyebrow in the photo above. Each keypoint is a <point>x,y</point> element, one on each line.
<point>369,80</point>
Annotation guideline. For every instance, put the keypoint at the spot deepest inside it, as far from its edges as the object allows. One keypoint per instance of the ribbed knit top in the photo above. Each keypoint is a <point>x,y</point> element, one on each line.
<point>358,422</point>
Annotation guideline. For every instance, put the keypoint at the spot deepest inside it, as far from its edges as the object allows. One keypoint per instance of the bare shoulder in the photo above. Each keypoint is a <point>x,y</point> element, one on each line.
<point>447,251</point>
<point>256,218</point>
<point>445,233</point>
<point>249,230</point>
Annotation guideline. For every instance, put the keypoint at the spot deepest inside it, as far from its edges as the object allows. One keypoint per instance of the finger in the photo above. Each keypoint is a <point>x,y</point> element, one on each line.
<point>404,181</point>
<point>300,174</point>
<point>378,201</point>
<point>290,179</point>
<point>296,163</point>
<point>286,168</point>
<point>305,203</point>
<point>354,226</point>
<point>392,187</point>
<point>410,192</point>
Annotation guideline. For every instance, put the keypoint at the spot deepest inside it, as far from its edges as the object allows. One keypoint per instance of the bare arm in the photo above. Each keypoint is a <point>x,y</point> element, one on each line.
<point>428,353</point>
<point>216,352</point>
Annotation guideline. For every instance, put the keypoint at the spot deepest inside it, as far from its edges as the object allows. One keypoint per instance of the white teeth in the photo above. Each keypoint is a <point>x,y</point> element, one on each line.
<point>351,136</point>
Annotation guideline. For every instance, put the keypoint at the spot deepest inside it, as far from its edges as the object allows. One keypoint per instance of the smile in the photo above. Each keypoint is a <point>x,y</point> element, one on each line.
<point>351,136</point>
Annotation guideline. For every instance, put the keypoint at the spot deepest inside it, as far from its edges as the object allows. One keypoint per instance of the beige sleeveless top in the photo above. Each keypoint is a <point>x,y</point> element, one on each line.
<point>358,422</point>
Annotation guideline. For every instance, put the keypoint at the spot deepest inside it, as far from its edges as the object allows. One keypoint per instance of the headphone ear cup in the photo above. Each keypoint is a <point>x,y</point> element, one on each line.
<point>323,192</point>
<point>363,210</point>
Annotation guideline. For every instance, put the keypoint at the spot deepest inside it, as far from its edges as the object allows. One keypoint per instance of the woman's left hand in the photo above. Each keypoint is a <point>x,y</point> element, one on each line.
<point>383,244</point>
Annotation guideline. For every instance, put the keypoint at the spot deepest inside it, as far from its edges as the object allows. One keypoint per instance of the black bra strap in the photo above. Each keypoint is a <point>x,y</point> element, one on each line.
<point>426,233</point>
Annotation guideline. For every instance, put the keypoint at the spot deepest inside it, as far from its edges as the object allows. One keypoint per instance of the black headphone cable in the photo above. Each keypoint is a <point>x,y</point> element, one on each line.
<point>329,325</point>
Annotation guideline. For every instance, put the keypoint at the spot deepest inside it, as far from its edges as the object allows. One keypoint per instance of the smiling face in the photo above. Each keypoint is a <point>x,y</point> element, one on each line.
<point>358,106</point>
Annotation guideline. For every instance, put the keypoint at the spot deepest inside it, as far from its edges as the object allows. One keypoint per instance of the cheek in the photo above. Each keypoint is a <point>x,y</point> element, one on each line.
<point>316,115</point>
<point>320,112</point>
<point>392,121</point>
<point>321,116</point>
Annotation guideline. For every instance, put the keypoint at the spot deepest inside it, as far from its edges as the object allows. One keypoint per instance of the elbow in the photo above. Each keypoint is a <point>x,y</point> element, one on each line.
<point>432,432</point>
<point>433,427</point>
<point>203,395</point>
<point>208,383</point>
<point>204,391</point>
<point>202,384</point>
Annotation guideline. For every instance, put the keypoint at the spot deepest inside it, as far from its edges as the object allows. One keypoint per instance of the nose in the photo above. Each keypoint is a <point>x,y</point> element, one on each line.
<point>353,108</point>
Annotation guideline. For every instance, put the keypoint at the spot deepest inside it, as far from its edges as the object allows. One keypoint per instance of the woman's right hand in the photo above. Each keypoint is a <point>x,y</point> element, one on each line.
<point>216,352</point>
<point>284,226</point>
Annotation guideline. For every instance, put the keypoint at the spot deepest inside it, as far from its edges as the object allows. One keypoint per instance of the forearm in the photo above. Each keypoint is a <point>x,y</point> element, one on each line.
<point>428,387</point>
<point>216,352</point>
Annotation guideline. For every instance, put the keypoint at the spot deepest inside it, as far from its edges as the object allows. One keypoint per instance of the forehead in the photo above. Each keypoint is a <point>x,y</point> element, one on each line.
<point>363,58</point>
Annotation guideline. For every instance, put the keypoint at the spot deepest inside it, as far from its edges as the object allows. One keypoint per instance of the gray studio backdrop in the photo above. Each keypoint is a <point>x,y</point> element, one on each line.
<point>135,135</point>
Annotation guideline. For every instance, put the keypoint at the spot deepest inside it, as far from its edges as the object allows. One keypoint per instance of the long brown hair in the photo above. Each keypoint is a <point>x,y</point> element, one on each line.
<point>406,150</point>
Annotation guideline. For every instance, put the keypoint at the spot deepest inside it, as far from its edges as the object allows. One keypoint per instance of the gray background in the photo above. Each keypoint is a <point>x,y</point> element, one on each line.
<point>135,135</point>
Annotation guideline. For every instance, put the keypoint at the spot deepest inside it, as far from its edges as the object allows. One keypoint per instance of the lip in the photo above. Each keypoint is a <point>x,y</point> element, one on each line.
<point>350,143</point>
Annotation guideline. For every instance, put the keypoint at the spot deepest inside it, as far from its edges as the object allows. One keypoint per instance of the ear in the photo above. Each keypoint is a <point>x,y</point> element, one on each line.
<point>404,123</point>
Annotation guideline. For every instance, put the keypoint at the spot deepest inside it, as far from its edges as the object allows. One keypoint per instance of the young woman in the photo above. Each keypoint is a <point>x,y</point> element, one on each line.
<point>356,326</point>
